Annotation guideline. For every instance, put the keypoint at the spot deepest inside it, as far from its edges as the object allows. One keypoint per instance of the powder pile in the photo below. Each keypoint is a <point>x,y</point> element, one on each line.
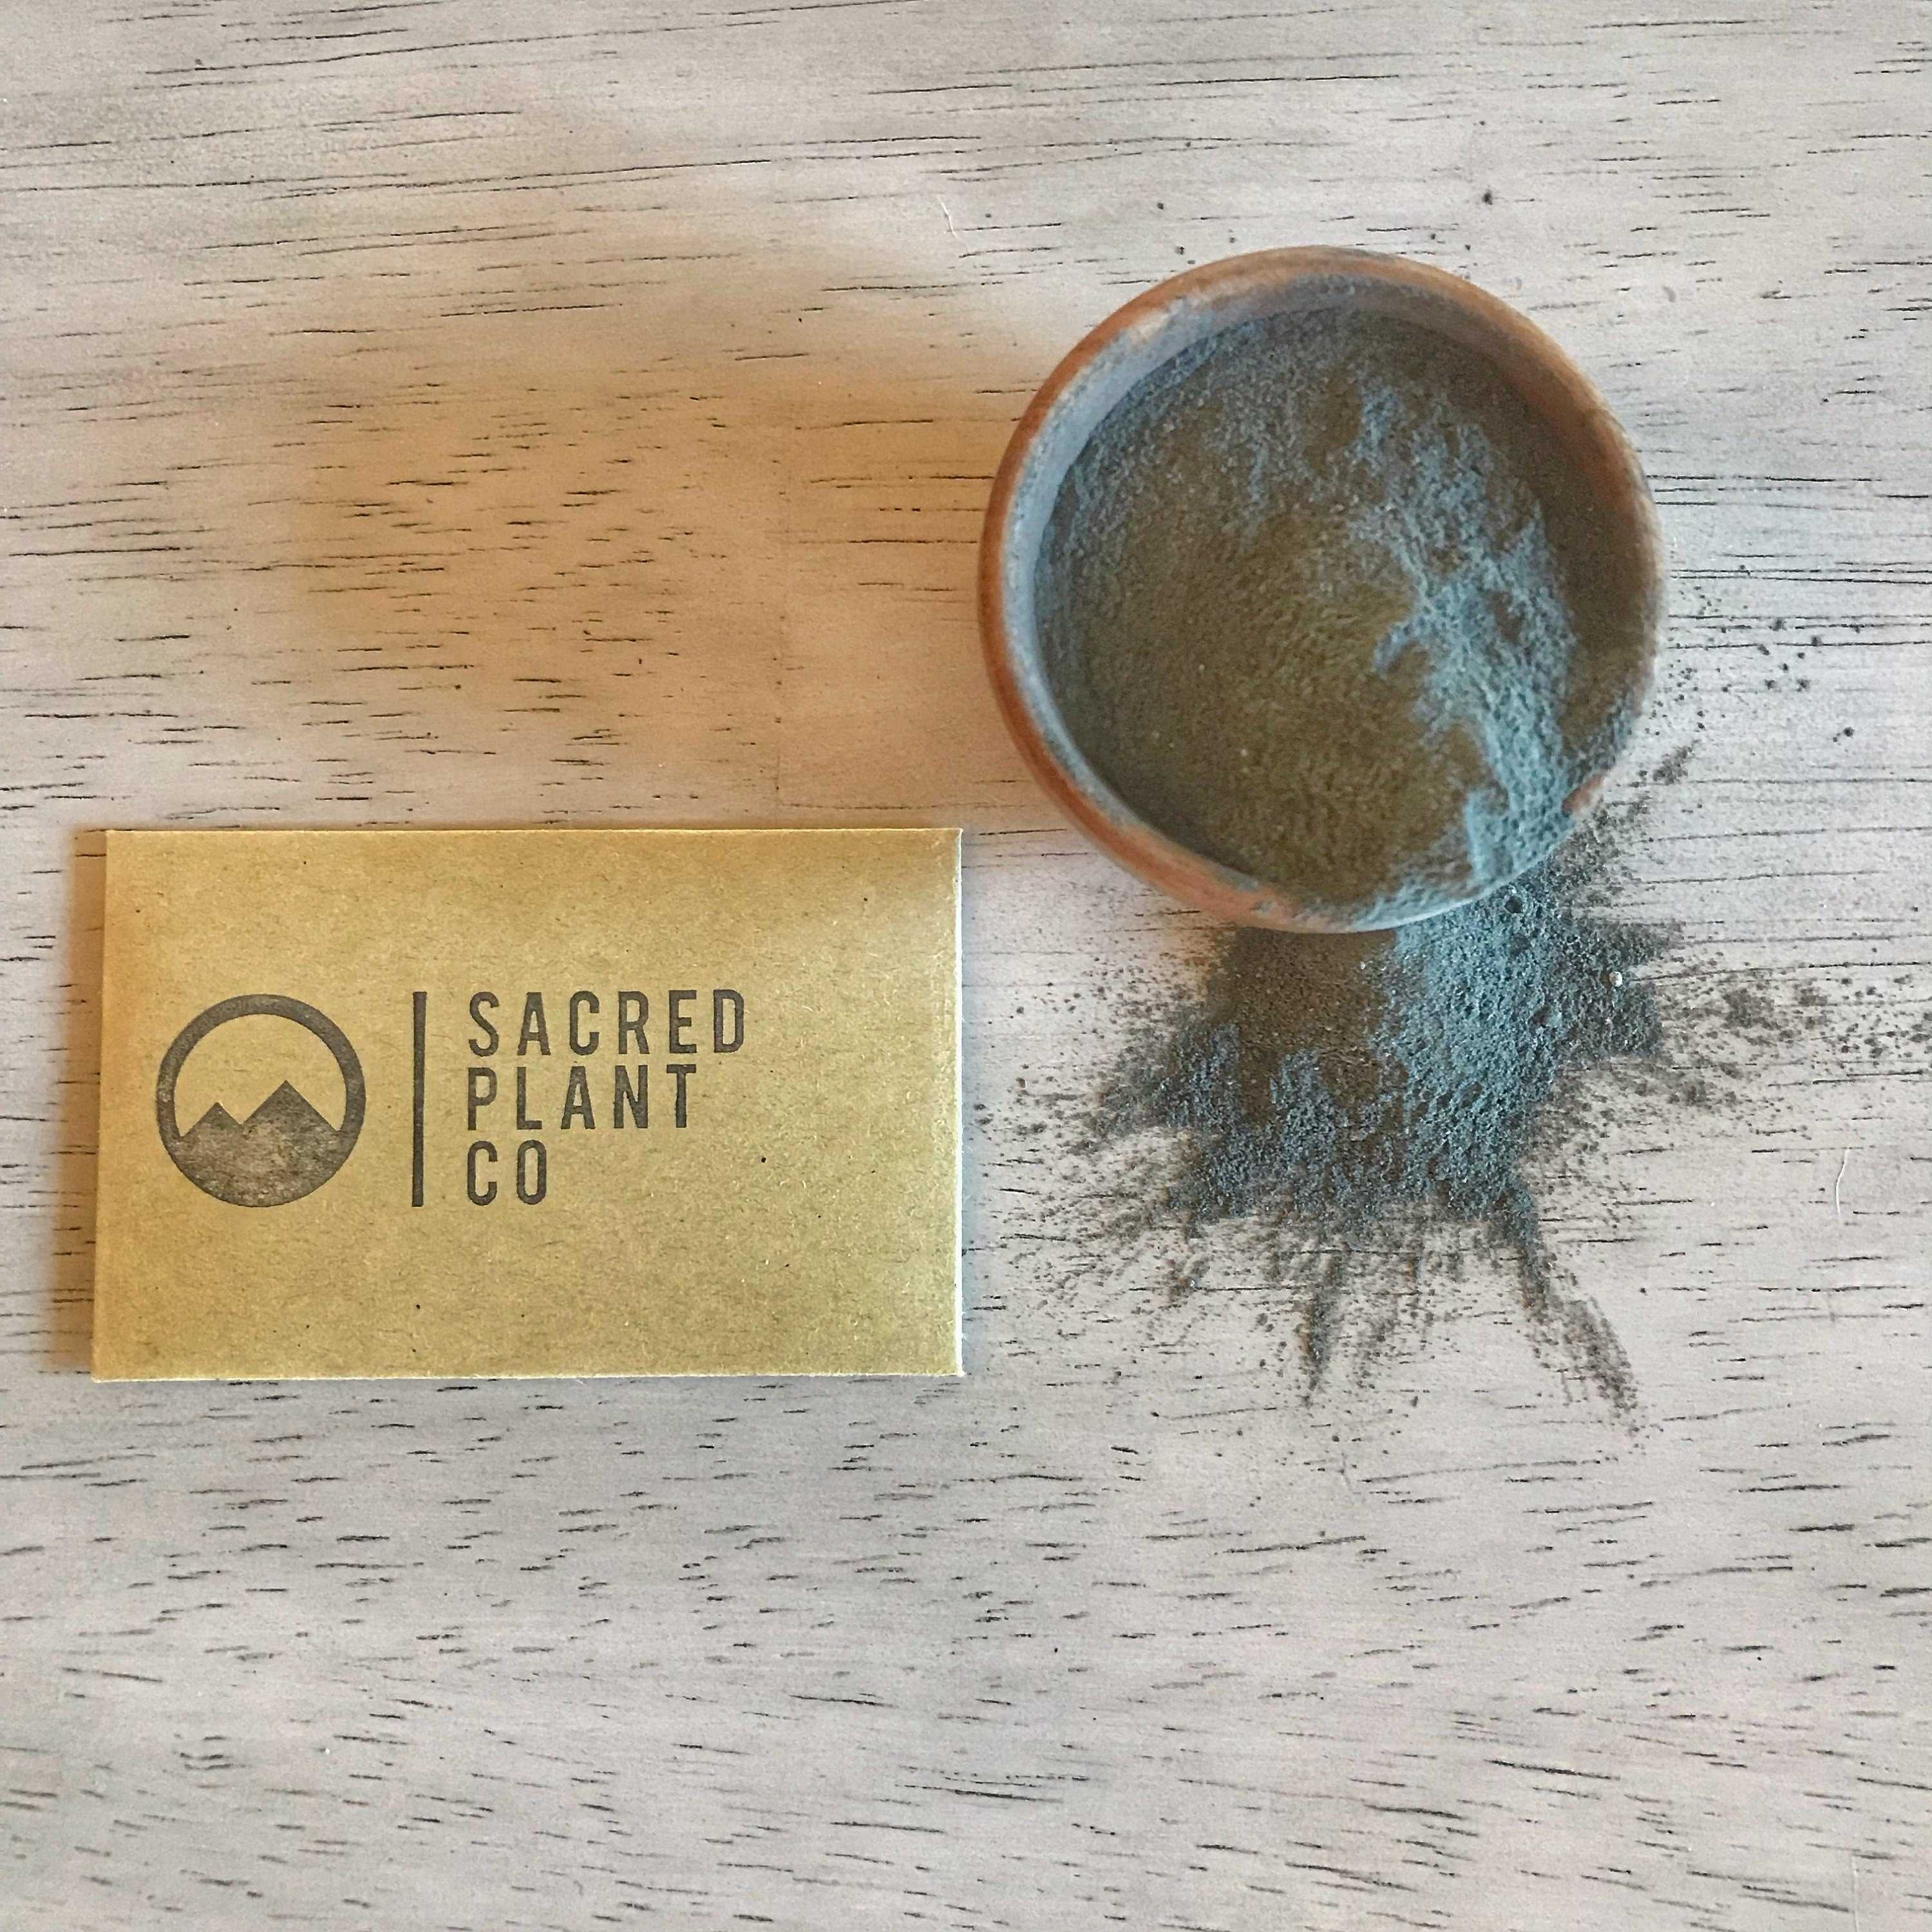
<point>1323,600</point>
<point>1360,1083</point>
<point>1350,1111</point>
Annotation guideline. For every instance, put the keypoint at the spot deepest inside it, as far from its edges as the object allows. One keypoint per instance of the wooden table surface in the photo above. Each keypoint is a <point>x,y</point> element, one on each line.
<point>442,412</point>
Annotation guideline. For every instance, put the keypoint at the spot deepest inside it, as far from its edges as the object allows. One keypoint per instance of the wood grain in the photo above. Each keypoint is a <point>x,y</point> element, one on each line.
<point>454,412</point>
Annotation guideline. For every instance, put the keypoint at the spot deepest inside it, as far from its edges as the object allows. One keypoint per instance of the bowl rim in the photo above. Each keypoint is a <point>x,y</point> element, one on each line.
<point>1121,351</point>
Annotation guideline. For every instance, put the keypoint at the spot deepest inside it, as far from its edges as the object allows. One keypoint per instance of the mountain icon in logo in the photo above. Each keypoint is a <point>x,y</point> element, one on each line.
<point>285,1149</point>
<point>254,1162</point>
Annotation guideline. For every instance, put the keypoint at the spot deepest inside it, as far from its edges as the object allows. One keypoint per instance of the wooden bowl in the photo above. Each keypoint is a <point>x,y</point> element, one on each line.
<point>1134,341</point>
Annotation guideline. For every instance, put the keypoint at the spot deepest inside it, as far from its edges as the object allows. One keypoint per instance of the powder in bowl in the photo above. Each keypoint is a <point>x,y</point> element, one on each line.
<point>1324,599</point>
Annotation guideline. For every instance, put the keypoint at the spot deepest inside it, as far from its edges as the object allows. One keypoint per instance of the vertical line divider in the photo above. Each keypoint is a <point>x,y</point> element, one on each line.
<point>418,1056</point>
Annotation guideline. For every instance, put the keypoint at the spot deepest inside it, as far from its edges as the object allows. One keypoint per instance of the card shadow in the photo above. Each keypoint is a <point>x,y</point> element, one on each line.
<point>70,1326</point>
<point>706,559</point>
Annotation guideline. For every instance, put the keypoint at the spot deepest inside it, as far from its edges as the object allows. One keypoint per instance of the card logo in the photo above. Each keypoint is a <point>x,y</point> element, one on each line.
<point>285,1148</point>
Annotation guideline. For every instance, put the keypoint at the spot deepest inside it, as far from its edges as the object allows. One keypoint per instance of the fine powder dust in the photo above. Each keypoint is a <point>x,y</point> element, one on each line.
<point>1365,1082</point>
<point>1349,1116</point>
<point>1323,600</point>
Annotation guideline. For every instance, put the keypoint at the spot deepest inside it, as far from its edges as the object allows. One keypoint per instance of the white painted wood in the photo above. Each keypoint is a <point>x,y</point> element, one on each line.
<point>448,411</point>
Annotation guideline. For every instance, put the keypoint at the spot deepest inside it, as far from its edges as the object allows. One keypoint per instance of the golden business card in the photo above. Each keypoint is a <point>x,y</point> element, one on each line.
<point>479,1103</point>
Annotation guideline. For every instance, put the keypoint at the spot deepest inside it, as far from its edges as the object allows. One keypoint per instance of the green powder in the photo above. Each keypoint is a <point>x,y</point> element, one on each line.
<point>1342,1114</point>
<point>1323,600</point>
<point>1358,1083</point>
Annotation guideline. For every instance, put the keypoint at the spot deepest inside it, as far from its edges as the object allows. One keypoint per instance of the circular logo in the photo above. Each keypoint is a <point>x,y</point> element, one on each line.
<point>285,1148</point>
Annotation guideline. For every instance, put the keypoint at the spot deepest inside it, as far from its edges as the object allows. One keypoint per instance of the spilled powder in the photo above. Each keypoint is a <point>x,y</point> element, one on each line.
<point>1361,1083</point>
<point>1323,600</point>
<point>1349,1119</point>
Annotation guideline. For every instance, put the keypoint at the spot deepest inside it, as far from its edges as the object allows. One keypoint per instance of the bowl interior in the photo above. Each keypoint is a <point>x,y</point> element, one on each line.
<point>1102,371</point>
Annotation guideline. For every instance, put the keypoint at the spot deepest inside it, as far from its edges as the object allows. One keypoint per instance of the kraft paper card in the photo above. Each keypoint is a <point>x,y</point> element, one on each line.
<point>530,1103</point>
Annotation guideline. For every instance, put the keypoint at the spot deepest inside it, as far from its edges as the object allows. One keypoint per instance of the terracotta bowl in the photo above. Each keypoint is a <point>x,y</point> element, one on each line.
<point>1137,339</point>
